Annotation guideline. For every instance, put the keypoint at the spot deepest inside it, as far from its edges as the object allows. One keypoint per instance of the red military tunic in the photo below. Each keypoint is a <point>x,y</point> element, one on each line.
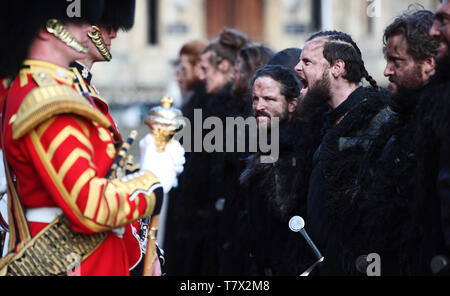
<point>83,85</point>
<point>60,149</point>
<point>4,87</point>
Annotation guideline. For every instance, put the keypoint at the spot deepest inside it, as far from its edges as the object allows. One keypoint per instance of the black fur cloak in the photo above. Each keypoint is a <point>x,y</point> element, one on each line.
<point>196,236</point>
<point>274,192</point>
<point>431,212</point>
<point>188,209</point>
<point>347,151</point>
<point>380,213</point>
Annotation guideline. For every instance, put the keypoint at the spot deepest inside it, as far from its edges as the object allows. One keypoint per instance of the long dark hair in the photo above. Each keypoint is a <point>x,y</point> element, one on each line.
<point>415,27</point>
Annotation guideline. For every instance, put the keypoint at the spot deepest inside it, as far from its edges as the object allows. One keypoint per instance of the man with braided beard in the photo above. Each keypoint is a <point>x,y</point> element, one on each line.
<point>331,69</point>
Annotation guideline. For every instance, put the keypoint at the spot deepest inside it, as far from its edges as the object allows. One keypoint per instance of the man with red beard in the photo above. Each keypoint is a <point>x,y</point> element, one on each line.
<point>431,227</point>
<point>331,69</point>
<point>188,78</point>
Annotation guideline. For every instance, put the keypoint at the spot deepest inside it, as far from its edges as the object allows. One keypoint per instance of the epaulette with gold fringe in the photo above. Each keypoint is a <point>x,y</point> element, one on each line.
<point>48,100</point>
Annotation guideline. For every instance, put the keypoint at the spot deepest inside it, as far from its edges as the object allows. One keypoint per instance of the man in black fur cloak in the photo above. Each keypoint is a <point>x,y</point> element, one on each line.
<point>331,69</point>
<point>275,191</point>
<point>431,227</point>
<point>379,217</point>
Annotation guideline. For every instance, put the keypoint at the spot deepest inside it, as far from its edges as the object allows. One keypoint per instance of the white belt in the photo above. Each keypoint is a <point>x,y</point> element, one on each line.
<point>48,214</point>
<point>43,215</point>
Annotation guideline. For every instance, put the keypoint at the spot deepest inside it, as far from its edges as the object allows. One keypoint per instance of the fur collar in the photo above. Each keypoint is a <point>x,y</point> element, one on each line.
<point>282,184</point>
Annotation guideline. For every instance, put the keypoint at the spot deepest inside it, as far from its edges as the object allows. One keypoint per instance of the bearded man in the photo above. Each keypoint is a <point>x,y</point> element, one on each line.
<point>431,227</point>
<point>274,192</point>
<point>331,69</point>
<point>380,215</point>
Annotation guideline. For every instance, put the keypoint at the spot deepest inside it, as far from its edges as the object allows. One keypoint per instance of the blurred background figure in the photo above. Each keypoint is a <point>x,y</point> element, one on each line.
<point>249,59</point>
<point>288,57</point>
<point>218,59</point>
<point>193,97</point>
<point>231,260</point>
<point>192,246</point>
<point>189,66</point>
<point>188,77</point>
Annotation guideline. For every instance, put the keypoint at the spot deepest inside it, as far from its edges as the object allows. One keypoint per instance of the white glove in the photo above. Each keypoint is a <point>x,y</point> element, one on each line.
<point>176,152</point>
<point>164,165</point>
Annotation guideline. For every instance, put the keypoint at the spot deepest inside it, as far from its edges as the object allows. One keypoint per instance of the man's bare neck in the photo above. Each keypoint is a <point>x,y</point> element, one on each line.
<point>41,51</point>
<point>340,94</point>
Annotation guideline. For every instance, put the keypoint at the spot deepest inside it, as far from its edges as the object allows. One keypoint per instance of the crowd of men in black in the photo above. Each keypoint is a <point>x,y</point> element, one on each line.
<point>366,167</point>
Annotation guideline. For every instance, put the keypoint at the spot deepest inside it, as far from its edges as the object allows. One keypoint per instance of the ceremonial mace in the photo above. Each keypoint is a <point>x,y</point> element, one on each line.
<point>164,122</point>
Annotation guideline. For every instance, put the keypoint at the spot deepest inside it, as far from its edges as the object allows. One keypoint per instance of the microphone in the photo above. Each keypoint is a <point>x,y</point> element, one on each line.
<point>361,264</point>
<point>438,264</point>
<point>297,224</point>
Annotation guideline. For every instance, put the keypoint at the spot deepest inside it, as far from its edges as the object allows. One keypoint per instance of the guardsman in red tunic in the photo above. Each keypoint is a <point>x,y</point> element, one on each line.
<point>59,148</point>
<point>117,15</point>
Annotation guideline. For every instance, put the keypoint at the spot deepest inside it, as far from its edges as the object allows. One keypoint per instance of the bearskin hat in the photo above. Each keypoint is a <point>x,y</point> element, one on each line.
<point>21,20</point>
<point>119,14</point>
